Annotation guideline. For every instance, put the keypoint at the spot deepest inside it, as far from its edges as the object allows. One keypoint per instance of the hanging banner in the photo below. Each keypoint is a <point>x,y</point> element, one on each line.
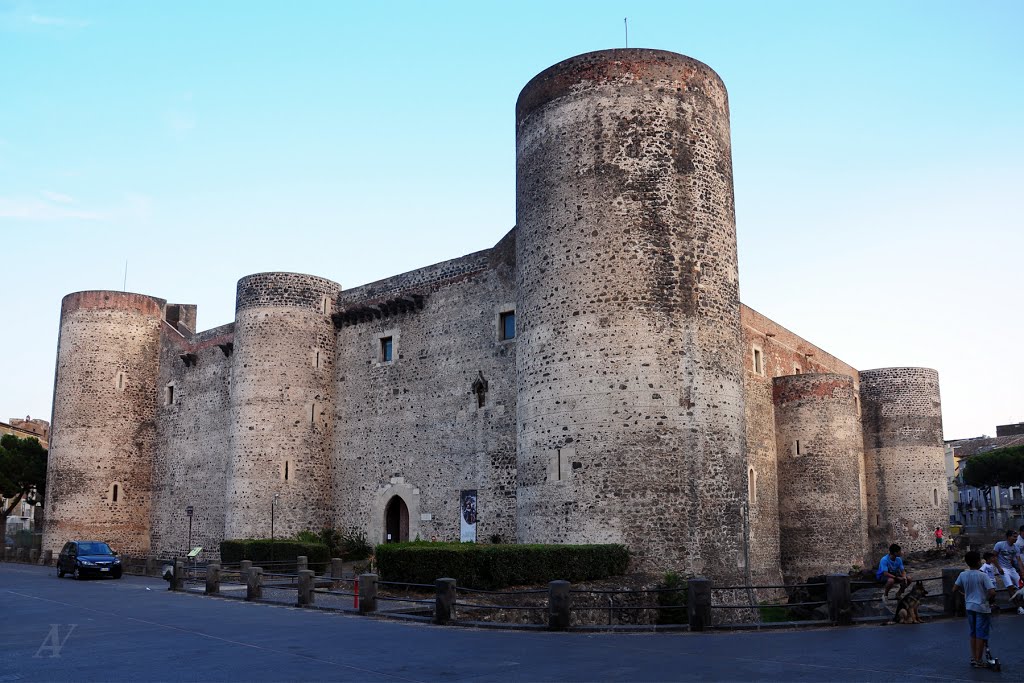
<point>467,507</point>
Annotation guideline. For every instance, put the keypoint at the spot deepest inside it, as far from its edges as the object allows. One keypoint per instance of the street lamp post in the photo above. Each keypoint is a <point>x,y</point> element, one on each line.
<point>273,505</point>
<point>188,511</point>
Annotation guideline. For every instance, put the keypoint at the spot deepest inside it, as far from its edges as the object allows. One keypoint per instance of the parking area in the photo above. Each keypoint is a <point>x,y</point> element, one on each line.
<point>134,629</point>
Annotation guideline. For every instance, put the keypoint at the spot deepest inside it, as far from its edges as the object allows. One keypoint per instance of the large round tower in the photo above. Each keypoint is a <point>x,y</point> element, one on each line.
<point>821,523</point>
<point>628,362</point>
<point>282,405</point>
<point>102,439</point>
<point>904,458</point>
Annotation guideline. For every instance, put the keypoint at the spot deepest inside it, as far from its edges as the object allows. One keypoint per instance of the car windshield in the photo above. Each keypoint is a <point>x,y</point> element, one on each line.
<point>94,549</point>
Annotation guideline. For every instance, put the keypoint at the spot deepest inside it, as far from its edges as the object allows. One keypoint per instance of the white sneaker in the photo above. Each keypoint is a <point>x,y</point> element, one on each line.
<point>1020,610</point>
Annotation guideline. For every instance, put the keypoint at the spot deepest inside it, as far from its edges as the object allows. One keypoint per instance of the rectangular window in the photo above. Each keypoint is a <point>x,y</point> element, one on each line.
<point>758,364</point>
<point>385,349</point>
<point>796,447</point>
<point>507,321</point>
<point>170,394</point>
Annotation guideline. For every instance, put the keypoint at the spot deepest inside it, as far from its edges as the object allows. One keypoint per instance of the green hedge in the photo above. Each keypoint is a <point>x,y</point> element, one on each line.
<point>497,566</point>
<point>261,550</point>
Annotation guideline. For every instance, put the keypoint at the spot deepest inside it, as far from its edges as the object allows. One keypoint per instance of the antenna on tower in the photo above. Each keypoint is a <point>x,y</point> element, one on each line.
<point>124,285</point>
<point>625,24</point>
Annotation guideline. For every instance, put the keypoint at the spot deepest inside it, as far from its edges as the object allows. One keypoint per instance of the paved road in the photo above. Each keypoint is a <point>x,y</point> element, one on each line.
<point>134,629</point>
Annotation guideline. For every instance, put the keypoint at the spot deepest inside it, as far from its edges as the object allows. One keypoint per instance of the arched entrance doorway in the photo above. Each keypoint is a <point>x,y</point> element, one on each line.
<point>396,521</point>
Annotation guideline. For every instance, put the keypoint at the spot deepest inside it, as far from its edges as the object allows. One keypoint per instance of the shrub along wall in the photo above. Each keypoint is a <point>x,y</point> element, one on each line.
<point>498,566</point>
<point>263,551</point>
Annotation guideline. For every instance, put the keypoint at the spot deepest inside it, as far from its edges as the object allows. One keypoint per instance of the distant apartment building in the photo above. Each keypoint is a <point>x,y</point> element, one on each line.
<point>24,515</point>
<point>1004,505</point>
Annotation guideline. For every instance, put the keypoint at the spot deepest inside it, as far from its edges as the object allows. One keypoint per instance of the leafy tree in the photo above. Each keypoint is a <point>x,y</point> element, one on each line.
<point>22,469</point>
<point>1001,467</point>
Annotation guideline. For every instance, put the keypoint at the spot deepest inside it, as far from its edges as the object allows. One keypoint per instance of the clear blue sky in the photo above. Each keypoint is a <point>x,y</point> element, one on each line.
<point>877,151</point>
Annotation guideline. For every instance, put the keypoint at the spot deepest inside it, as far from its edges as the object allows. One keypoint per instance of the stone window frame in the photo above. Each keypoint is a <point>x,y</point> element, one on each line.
<point>751,486</point>
<point>797,370</point>
<point>499,332</point>
<point>378,348</point>
<point>757,360</point>
<point>170,399</point>
<point>559,467</point>
<point>287,470</point>
<point>120,380</point>
<point>115,493</point>
<point>326,305</point>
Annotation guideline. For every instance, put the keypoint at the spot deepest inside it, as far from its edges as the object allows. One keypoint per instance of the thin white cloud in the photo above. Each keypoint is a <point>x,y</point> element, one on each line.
<point>70,22</point>
<point>133,207</point>
<point>58,197</point>
<point>39,210</point>
<point>180,122</point>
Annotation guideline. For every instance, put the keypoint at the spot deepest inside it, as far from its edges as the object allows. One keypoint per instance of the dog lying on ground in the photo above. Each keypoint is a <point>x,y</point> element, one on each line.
<point>906,608</point>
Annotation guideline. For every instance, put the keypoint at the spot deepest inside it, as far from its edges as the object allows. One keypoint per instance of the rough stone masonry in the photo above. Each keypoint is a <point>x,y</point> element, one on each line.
<point>593,377</point>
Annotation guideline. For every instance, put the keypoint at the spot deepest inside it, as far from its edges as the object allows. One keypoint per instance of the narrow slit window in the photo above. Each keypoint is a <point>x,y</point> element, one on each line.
<point>115,493</point>
<point>287,467</point>
<point>170,395</point>
<point>752,486</point>
<point>316,363</point>
<point>386,348</point>
<point>796,447</point>
<point>325,305</point>
<point>312,414</point>
<point>120,381</point>
<point>507,324</point>
<point>758,364</point>
<point>935,497</point>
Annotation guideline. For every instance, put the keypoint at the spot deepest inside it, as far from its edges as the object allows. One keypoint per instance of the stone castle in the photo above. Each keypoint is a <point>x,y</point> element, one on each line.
<point>593,377</point>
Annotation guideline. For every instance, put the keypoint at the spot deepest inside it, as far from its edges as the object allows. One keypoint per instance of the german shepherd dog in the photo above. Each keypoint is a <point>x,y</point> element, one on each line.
<point>906,608</point>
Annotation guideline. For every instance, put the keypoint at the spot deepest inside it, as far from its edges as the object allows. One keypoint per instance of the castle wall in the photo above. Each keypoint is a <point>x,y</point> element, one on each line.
<point>904,456</point>
<point>103,421</point>
<point>628,302</point>
<point>413,427</point>
<point>762,481</point>
<point>821,524</point>
<point>281,406</point>
<point>193,440</point>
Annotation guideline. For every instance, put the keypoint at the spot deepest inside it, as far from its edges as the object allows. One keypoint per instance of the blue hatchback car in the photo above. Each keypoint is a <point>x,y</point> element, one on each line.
<point>88,558</point>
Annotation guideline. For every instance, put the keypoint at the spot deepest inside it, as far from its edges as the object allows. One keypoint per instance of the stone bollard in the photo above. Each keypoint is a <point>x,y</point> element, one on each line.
<point>213,578</point>
<point>178,578</point>
<point>301,563</point>
<point>444,602</point>
<point>698,603</point>
<point>952,602</point>
<point>254,583</point>
<point>47,557</point>
<point>20,554</point>
<point>243,570</point>
<point>150,565</point>
<point>305,587</point>
<point>367,593</point>
<point>559,602</point>
<point>33,556</point>
<point>337,569</point>
<point>837,595</point>
<point>8,553</point>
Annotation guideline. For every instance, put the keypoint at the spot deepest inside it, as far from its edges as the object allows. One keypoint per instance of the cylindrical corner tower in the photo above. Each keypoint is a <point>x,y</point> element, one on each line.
<point>282,406</point>
<point>628,362</point>
<point>821,523</point>
<point>98,478</point>
<point>904,458</point>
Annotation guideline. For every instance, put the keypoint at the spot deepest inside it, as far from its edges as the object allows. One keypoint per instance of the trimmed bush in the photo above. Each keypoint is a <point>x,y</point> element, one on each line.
<point>262,551</point>
<point>498,566</point>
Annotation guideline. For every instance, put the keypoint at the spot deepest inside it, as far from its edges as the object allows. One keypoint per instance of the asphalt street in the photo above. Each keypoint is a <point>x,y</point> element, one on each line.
<point>134,629</point>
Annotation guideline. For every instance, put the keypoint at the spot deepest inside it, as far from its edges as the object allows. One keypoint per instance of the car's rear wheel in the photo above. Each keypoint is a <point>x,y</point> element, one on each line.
<point>78,574</point>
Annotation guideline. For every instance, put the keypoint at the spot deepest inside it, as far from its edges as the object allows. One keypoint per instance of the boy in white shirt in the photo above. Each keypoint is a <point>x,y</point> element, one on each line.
<point>979,590</point>
<point>988,565</point>
<point>1008,561</point>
